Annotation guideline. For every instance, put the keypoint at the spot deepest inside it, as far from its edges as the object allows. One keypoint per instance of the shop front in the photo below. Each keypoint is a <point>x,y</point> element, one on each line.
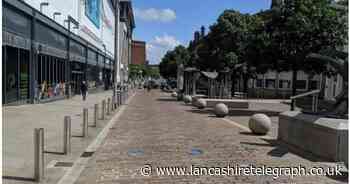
<point>77,65</point>
<point>92,70</point>
<point>16,56</point>
<point>51,56</point>
<point>42,61</point>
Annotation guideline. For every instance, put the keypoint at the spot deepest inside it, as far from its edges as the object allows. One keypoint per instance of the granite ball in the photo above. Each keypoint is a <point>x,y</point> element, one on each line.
<point>174,94</point>
<point>201,103</point>
<point>260,124</point>
<point>187,99</point>
<point>221,110</point>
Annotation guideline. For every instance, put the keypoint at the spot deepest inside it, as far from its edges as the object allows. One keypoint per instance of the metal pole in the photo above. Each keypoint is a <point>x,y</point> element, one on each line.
<point>292,105</point>
<point>119,97</point>
<point>103,109</point>
<point>67,135</point>
<point>313,103</point>
<point>316,103</point>
<point>85,122</point>
<point>116,49</point>
<point>108,106</point>
<point>38,154</point>
<point>95,115</point>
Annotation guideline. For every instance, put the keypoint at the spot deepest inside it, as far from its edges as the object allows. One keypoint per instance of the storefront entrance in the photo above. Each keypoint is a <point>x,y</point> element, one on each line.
<point>77,79</point>
<point>77,76</point>
<point>15,68</point>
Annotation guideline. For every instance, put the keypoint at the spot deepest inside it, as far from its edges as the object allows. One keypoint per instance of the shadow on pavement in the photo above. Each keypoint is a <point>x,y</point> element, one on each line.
<point>236,112</point>
<point>250,134</point>
<point>250,112</point>
<point>200,111</point>
<point>166,100</point>
<point>18,178</point>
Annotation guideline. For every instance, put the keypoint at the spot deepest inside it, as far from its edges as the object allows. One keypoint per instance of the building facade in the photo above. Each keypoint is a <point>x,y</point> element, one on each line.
<point>274,84</point>
<point>49,48</point>
<point>126,27</point>
<point>139,53</point>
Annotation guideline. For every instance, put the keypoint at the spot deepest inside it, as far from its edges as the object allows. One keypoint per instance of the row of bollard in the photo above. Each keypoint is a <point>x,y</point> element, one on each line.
<point>106,109</point>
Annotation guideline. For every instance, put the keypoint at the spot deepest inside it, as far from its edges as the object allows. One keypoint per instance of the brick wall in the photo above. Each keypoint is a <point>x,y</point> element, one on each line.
<point>138,52</point>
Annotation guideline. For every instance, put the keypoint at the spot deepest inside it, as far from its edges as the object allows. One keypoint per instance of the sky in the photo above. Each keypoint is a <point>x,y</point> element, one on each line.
<point>164,24</point>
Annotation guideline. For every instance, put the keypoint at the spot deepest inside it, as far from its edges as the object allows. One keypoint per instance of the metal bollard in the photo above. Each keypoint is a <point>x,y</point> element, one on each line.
<point>112,105</point>
<point>123,97</point>
<point>95,115</point>
<point>85,122</point>
<point>103,109</point>
<point>67,135</point>
<point>108,106</point>
<point>118,97</point>
<point>39,162</point>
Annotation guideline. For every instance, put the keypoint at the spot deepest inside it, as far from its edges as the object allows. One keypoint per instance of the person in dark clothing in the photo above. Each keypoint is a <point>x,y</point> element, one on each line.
<point>83,89</point>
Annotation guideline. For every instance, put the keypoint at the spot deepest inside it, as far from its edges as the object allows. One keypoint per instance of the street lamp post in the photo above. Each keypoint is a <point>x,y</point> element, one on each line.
<point>42,5</point>
<point>104,65</point>
<point>76,23</point>
<point>116,49</point>
<point>56,14</point>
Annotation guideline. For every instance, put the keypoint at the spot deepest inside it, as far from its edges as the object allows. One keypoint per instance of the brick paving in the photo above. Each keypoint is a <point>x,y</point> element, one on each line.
<point>163,132</point>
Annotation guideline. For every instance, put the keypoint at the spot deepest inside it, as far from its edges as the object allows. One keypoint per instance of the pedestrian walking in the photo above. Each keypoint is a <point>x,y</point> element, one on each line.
<point>83,89</point>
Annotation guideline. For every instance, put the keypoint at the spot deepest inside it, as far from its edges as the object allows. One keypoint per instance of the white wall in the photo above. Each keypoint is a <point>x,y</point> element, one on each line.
<point>76,9</point>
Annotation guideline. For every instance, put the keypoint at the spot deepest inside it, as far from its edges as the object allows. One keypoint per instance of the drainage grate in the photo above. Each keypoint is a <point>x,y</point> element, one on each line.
<point>64,164</point>
<point>195,152</point>
<point>135,152</point>
<point>87,154</point>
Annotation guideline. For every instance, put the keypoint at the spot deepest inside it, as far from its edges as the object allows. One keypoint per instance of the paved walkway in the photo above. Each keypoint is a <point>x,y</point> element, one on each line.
<point>155,130</point>
<point>18,126</point>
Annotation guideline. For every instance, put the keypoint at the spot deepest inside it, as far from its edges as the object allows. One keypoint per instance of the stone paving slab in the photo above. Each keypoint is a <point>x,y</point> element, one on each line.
<point>163,132</point>
<point>18,126</point>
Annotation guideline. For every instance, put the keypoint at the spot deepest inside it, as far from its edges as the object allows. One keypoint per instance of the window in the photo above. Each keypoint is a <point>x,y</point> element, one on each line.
<point>270,83</point>
<point>284,84</point>
<point>301,84</point>
<point>259,83</point>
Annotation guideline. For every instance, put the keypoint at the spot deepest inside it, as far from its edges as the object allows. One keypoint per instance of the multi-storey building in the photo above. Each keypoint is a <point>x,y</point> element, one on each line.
<point>139,53</point>
<point>52,46</point>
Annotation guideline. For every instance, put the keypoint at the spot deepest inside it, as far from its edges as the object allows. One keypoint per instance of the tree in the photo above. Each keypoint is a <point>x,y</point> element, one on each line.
<point>304,27</point>
<point>169,63</point>
<point>136,71</point>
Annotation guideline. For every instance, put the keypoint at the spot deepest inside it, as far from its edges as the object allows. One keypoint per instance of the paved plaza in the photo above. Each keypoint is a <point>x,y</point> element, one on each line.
<point>157,131</point>
<point>19,123</point>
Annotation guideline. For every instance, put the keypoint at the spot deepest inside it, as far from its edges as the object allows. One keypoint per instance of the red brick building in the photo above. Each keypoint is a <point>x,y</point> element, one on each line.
<point>138,52</point>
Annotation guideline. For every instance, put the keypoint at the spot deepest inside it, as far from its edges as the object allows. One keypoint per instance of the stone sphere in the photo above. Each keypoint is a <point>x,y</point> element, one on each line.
<point>187,99</point>
<point>260,124</point>
<point>221,110</point>
<point>201,103</point>
<point>174,94</point>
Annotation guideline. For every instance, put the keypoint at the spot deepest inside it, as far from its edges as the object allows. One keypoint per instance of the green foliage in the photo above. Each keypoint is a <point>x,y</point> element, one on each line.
<point>278,39</point>
<point>169,63</point>
<point>138,71</point>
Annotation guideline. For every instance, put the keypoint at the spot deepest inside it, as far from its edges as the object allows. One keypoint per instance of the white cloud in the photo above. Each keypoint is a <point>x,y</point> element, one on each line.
<point>158,47</point>
<point>152,14</point>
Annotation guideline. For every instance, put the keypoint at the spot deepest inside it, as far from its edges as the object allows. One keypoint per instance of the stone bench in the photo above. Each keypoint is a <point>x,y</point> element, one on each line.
<point>325,137</point>
<point>231,103</point>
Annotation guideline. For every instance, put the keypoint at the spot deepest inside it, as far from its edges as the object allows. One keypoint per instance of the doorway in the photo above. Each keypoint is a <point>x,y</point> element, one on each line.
<point>77,79</point>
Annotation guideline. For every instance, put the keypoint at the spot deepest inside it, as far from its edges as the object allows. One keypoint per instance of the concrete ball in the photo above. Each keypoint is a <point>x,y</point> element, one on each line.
<point>201,103</point>
<point>174,94</point>
<point>187,99</point>
<point>221,110</point>
<point>260,124</point>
